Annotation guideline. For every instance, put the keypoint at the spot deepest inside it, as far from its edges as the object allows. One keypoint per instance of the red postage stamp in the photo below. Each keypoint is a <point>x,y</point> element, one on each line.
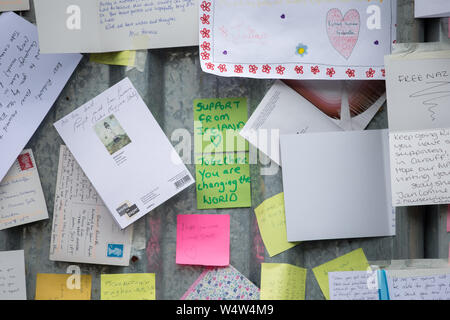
<point>25,161</point>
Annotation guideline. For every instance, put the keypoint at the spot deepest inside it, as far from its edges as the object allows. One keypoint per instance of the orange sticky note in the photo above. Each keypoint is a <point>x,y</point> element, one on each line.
<point>203,239</point>
<point>57,287</point>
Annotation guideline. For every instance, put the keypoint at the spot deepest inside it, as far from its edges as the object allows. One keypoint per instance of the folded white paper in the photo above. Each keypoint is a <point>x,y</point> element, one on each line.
<point>284,111</point>
<point>124,153</point>
<point>30,82</point>
<point>101,26</point>
<point>431,8</point>
<point>418,92</point>
<point>349,104</point>
<point>83,229</point>
<point>21,197</point>
<point>336,185</point>
<point>14,5</point>
<point>12,275</point>
<point>296,39</point>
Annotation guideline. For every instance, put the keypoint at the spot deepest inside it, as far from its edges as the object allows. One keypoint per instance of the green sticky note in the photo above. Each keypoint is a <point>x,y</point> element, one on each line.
<point>223,181</point>
<point>352,261</point>
<point>217,123</point>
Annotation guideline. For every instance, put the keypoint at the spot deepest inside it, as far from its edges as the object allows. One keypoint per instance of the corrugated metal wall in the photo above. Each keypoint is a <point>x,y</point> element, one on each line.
<point>171,80</point>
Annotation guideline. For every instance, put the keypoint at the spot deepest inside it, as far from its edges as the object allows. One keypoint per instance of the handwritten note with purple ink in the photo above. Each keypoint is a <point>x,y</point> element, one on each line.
<point>418,94</point>
<point>203,239</point>
<point>339,39</point>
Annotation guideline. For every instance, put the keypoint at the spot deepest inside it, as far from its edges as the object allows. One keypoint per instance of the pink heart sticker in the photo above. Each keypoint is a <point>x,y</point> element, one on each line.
<point>343,32</point>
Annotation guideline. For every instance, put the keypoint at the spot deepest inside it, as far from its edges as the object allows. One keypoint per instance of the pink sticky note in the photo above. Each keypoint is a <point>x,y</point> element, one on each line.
<point>448,218</point>
<point>203,239</point>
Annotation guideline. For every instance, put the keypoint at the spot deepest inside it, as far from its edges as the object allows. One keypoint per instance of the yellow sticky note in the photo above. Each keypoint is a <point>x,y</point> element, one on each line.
<point>55,287</point>
<point>272,225</point>
<point>282,281</point>
<point>121,58</point>
<point>352,261</point>
<point>128,286</point>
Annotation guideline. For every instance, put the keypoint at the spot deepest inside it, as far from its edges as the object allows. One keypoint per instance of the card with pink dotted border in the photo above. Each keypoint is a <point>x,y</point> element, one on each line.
<point>341,39</point>
<point>222,283</point>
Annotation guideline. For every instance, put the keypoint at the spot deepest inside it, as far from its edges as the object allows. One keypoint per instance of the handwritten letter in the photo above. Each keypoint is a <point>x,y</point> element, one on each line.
<point>12,275</point>
<point>353,285</point>
<point>423,287</point>
<point>116,25</point>
<point>418,93</point>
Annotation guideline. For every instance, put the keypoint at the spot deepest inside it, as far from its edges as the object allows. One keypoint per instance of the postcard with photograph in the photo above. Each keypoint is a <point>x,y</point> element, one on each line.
<point>124,153</point>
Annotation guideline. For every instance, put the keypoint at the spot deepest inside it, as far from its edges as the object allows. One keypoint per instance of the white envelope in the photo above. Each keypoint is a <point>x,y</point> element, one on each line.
<point>30,82</point>
<point>124,153</point>
<point>283,111</point>
<point>336,185</point>
<point>67,26</point>
<point>12,275</point>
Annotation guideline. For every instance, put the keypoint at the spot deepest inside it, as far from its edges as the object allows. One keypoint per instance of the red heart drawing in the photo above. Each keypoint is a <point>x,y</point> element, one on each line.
<point>343,32</point>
